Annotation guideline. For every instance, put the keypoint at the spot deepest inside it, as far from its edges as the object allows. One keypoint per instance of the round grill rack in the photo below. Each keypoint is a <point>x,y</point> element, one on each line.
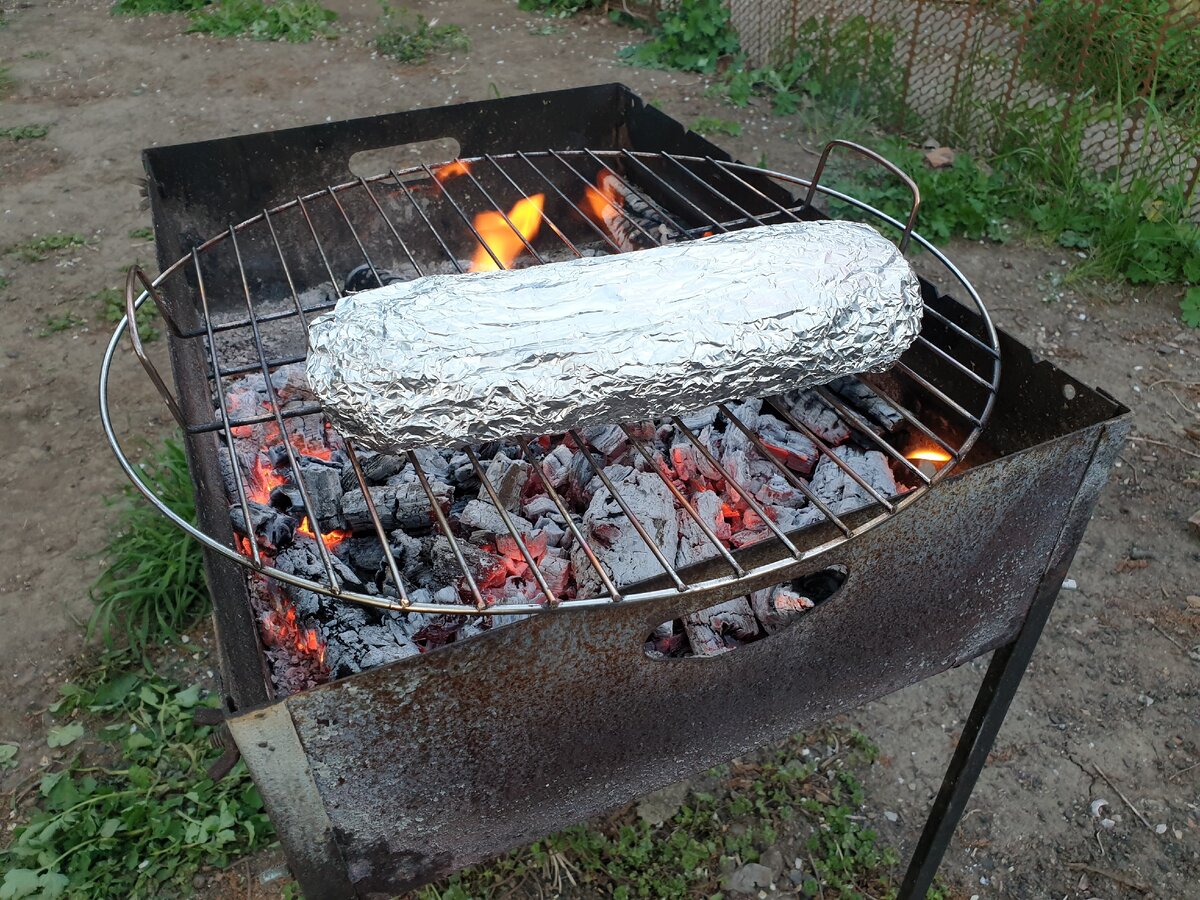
<point>385,220</point>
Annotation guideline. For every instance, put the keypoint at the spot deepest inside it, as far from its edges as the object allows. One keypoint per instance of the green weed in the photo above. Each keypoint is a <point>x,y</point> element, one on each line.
<point>36,54</point>
<point>1111,47</point>
<point>1189,307</point>
<point>142,234</point>
<point>153,586</point>
<point>750,805</point>
<point>712,125</point>
<point>559,9</point>
<point>146,7</point>
<point>133,813</point>
<point>7,82</point>
<point>39,249</point>
<point>692,36</point>
<point>409,37</point>
<point>24,132</point>
<point>65,322</point>
<point>111,303</point>
<point>294,21</point>
<point>4,283</point>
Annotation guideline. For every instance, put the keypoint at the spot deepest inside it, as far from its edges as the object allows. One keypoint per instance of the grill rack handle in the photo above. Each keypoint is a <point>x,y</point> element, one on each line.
<point>883,161</point>
<point>131,307</point>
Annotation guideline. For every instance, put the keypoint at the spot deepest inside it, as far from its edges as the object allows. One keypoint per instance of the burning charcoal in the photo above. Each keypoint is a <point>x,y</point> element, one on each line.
<point>841,492</point>
<point>481,515</point>
<point>579,474</point>
<point>446,569</point>
<point>719,628</point>
<point>302,559</point>
<point>866,401</point>
<point>307,603</point>
<point>540,506</point>
<point>507,477</point>
<point>693,545</point>
<point>789,519</point>
<point>323,482</point>
<point>377,468</point>
<point>776,606</point>
<point>556,463</point>
<point>409,553</point>
<point>685,459</point>
<point>469,629</point>
<point>291,383</point>
<point>619,547</point>
<point>357,516</point>
<point>272,529</point>
<point>434,464</point>
<point>403,506</point>
<point>446,595</point>
<point>552,530</point>
<point>790,447</point>
<point>285,498</point>
<point>606,439</point>
<point>700,419</point>
<point>616,474</point>
<point>809,409</point>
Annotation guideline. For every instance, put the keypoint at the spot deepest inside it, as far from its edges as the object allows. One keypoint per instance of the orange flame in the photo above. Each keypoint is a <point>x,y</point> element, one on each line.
<point>263,480</point>
<point>930,454</point>
<point>452,170</point>
<point>603,200</point>
<point>504,241</point>
<point>331,539</point>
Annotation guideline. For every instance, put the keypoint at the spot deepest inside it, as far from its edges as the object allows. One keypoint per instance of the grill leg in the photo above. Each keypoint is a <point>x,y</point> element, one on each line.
<point>1004,676</point>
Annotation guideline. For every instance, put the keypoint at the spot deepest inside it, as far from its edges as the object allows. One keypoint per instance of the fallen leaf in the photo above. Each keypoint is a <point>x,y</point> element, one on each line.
<point>8,756</point>
<point>1129,565</point>
<point>67,734</point>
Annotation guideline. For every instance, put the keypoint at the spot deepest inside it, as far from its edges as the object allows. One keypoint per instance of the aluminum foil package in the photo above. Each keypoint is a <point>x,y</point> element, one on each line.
<point>462,359</point>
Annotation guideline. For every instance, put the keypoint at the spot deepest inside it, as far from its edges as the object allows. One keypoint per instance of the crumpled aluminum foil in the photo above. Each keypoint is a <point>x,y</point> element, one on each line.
<point>462,359</point>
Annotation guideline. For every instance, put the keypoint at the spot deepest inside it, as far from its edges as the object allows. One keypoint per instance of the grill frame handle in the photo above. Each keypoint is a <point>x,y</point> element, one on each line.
<point>132,302</point>
<point>870,154</point>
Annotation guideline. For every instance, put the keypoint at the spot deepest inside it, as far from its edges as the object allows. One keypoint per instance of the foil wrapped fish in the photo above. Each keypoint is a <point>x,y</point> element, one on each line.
<point>447,360</point>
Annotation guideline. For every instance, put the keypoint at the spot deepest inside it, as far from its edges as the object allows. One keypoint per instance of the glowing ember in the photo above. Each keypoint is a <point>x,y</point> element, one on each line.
<point>330,539</point>
<point>504,241</point>
<point>280,629</point>
<point>263,480</point>
<point>934,455</point>
<point>452,170</point>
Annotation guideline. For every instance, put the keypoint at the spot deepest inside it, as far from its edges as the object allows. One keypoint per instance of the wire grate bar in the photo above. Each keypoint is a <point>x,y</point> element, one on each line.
<point>550,223</point>
<point>910,418</point>
<point>551,600</point>
<point>444,525</point>
<point>650,543</point>
<point>496,207</point>
<point>962,367</point>
<point>618,208</point>
<point>787,473</point>
<point>685,503</point>
<point>579,212</point>
<point>387,220</point>
<point>680,230</point>
<point>407,192</point>
<point>962,332</point>
<point>445,191</point>
<point>738,488</point>
<point>937,392</point>
<point>728,201</point>
<point>276,406</point>
<point>824,450</point>
<point>224,425</point>
<point>670,187</point>
<point>863,427</point>
<point>570,520</point>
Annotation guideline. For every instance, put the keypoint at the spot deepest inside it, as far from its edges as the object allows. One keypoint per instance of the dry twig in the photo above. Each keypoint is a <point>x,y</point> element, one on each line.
<point>1146,440</point>
<point>1111,876</point>
<point>1154,625</point>
<point>1120,794</point>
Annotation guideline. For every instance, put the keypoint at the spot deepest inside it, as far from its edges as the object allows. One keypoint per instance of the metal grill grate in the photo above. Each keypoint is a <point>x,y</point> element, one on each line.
<point>954,377</point>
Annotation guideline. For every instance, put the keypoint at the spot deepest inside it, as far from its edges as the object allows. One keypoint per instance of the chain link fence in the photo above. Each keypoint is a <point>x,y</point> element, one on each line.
<point>1108,84</point>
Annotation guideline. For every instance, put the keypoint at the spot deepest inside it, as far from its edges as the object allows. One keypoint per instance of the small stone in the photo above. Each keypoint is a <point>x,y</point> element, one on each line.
<point>1145,700</point>
<point>656,808</point>
<point>796,877</point>
<point>1070,584</point>
<point>1108,824</point>
<point>1194,521</point>
<point>1160,828</point>
<point>749,879</point>
<point>890,816</point>
<point>773,860</point>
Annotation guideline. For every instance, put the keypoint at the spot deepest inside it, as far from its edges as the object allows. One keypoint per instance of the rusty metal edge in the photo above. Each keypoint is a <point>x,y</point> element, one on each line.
<point>271,748</point>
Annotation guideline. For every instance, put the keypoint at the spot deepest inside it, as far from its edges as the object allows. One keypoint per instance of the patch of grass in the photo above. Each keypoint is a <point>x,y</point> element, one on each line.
<point>153,587</point>
<point>111,303</point>
<point>1189,307</point>
<point>712,125</point>
<point>693,36</point>
<point>147,7</point>
<point>294,21</point>
<point>132,813</point>
<point>4,282</point>
<point>36,54</point>
<point>7,82</point>
<point>409,37</point>
<point>753,805</point>
<point>142,234</point>
<point>39,249</point>
<point>65,322</point>
<point>559,9</point>
<point>1111,47</point>
<point>24,132</point>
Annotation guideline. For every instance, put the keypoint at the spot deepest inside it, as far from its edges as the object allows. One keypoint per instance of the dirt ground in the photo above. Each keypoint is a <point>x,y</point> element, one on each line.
<point>1114,681</point>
